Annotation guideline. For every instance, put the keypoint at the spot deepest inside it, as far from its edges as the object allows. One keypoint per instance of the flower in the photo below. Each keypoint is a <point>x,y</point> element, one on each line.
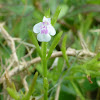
<point>44,30</point>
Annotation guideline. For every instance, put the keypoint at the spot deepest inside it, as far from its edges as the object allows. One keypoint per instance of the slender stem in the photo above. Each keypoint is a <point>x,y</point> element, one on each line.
<point>77,91</point>
<point>44,66</point>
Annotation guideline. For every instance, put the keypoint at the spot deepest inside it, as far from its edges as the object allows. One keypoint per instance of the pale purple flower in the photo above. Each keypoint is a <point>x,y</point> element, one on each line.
<point>44,30</point>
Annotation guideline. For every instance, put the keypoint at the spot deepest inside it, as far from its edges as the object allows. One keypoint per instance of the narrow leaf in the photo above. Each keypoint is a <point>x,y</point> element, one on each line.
<point>44,62</point>
<point>13,93</point>
<point>31,88</point>
<point>35,42</point>
<point>55,17</point>
<point>63,48</point>
<point>47,13</point>
<point>85,23</point>
<point>77,91</point>
<point>54,44</point>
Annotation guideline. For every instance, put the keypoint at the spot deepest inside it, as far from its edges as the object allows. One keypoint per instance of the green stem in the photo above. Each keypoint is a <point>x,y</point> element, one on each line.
<point>44,66</point>
<point>77,91</point>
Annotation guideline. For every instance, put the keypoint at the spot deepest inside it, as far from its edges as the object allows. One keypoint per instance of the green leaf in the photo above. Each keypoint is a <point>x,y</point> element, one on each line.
<point>77,91</point>
<point>94,2</point>
<point>54,44</point>
<point>63,48</point>
<point>60,65</point>
<point>98,81</point>
<point>20,9</point>
<point>31,88</point>
<point>84,9</point>
<point>39,69</point>
<point>44,62</point>
<point>64,10</point>
<point>55,17</point>
<point>85,24</point>
<point>56,71</point>
<point>13,93</point>
<point>89,87</point>
<point>20,30</point>
<point>35,42</point>
<point>47,13</point>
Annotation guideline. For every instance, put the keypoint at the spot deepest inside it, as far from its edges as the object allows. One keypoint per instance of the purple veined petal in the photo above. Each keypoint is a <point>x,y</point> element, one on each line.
<point>36,28</point>
<point>44,30</point>
<point>46,19</point>
<point>43,37</point>
<point>51,30</point>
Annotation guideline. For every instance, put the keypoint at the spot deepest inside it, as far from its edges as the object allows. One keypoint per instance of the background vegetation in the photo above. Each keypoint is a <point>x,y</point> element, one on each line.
<point>80,20</point>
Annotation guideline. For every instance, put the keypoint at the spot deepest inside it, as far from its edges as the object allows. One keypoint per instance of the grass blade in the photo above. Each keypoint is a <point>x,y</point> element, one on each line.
<point>54,44</point>
<point>55,17</point>
<point>35,42</point>
<point>63,48</point>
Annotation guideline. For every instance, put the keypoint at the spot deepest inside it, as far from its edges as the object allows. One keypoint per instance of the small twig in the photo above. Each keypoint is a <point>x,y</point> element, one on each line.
<point>29,53</point>
<point>8,67</point>
<point>24,65</point>
<point>25,83</point>
<point>95,30</point>
<point>2,67</point>
<point>10,42</point>
<point>83,44</point>
<point>4,90</point>
<point>57,92</point>
<point>22,42</point>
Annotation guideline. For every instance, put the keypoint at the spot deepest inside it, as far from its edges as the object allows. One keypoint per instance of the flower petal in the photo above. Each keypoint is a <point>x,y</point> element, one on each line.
<point>51,30</point>
<point>36,27</point>
<point>46,19</point>
<point>43,37</point>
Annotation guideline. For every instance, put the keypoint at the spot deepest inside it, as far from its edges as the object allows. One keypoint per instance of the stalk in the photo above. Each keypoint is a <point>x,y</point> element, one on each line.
<point>77,91</point>
<point>44,66</point>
